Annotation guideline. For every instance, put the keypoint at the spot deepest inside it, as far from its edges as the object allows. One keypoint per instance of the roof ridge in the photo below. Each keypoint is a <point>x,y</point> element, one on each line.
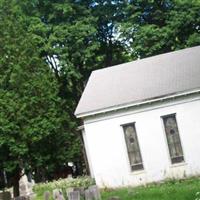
<point>146,59</point>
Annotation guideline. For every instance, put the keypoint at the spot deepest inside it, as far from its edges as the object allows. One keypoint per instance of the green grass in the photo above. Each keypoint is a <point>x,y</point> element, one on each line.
<point>188,189</point>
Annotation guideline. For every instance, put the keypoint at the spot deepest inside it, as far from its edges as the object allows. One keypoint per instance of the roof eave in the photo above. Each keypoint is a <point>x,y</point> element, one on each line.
<point>134,104</point>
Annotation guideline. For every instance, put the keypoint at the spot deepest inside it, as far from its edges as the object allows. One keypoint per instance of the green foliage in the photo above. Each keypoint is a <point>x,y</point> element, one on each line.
<point>66,34</point>
<point>109,14</point>
<point>31,114</point>
<point>65,183</point>
<point>155,27</point>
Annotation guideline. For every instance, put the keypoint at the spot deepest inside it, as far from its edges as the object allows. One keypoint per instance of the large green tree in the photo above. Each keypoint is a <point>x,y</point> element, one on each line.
<point>66,35</point>
<point>76,37</point>
<point>152,27</point>
<point>109,14</point>
<point>32,120</point>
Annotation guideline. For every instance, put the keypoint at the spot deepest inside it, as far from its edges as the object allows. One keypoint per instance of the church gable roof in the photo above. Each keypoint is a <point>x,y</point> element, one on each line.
<point>141,80</point>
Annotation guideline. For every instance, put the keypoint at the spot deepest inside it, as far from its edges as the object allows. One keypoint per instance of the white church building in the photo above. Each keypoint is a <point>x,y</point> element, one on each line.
<point>142,120</point>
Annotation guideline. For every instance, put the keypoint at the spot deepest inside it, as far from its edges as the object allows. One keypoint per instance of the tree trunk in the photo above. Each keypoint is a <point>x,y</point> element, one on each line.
<point>109,54</point>
<point>16,183</point>
<point>16,188</point>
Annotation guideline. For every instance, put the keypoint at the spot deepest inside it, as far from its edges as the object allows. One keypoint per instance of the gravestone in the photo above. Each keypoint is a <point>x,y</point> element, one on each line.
<point>57,194</point>
<point>75,195</point>
<point>94,190</point>
<point>88,195</point>
<point>47,195</point>
<point>81,190</point>
<point>5,196</point>
<point>22,198</point>
<point>68,190</point>
<point>25,187</point>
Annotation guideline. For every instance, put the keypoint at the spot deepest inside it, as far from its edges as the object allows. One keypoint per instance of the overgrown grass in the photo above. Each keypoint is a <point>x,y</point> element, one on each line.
<point>188,189</point>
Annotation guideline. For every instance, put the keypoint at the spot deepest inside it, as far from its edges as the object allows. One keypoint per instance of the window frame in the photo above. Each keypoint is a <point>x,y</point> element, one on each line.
<point>133,167</point>
<point>167,142</point>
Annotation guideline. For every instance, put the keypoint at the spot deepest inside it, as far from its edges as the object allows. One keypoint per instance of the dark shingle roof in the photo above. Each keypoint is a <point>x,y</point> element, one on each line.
<point>141,80</point>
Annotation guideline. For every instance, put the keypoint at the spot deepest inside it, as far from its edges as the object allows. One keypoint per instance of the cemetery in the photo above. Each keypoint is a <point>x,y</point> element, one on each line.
<point>84,188</point>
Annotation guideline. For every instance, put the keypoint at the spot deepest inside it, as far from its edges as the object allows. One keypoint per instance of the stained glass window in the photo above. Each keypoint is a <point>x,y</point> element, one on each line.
<point>173,138</point>
<point>133,148</point>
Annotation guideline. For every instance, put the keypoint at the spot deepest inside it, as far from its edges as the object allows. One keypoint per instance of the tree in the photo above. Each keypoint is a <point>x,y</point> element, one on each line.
<point>77,37</point>
<point>109,15</point>
<point>31,115</point>
<point>66,33</point>
<point>154,27</point>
